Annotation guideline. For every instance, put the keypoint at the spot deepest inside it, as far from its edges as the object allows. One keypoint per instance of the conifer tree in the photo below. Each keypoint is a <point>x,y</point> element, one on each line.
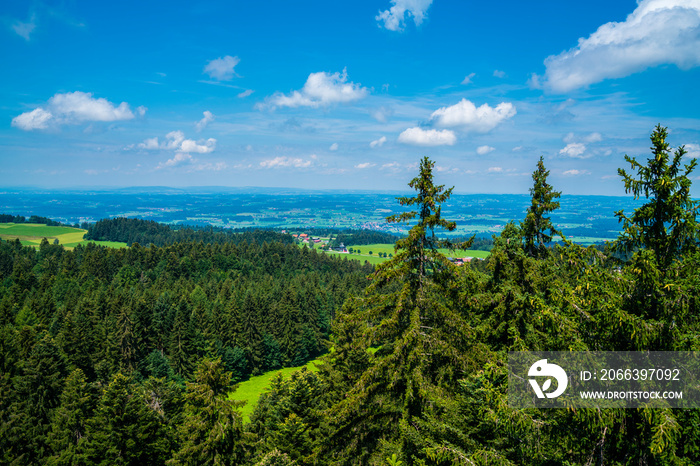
<point>212,428</point>
<point>537,229</point>
<point>666,224</point>
<point>399,399</point>
<point>68,426</point>
<point>125,430</point>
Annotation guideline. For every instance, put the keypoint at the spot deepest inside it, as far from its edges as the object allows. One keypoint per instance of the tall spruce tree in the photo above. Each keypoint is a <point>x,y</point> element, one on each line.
<point>537,228</point>
<point>666,224</point>
<point>212,427</point>
<point>398,404</point>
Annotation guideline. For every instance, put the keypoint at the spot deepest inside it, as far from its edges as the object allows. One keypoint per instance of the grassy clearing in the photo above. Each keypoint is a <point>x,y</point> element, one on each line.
<point>250,390</point>
<point>388,248</point>
<point>31,234</point>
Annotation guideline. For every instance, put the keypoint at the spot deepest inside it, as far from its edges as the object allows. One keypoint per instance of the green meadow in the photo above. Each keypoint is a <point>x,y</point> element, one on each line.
<point>250,390</point>
<point>31,234</point>
<point>388,248</point>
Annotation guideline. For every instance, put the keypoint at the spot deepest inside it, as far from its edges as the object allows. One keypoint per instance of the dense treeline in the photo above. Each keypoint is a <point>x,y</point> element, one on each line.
<point>360,237</point>
<point>145,232</point>
<point>88,335</point>
<point>417,370</point>
<point>436,390</point>
<point>8,218</point>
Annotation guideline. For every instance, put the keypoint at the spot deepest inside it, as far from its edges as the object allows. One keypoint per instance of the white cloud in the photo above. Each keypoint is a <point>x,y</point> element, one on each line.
<point>466,115</point>
<point>364,165</point>
<point>495,169</point>
<point>483,150</point>
<point>378,142</point>
<point>334,146</point>
<point>176,141</point>
<point>25,29</point>
<point>574,149</point>
<point>693,150</point>
<point>382,114</point>
<point>657,32</point>
<point>286,162</point>
<point>468,78</point>
<point>499,74</point>
<point>201,124</point>
<point>394,18</point>
<point>321,89</point>
<point>245,93</point>
<point>222,69</point>
<point>593,137</point>
<point>81,106</point>
<point>74,108</point>
<point>420,137</point>
<point>393,166</point>
<point>179,159</point>
<point>204,147</point>
<point>149,144</point>
<point>576,172</point>
<point>36,119</point>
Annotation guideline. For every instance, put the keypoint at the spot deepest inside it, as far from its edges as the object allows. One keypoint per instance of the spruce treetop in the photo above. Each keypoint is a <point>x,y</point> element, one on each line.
<point>666,224</point>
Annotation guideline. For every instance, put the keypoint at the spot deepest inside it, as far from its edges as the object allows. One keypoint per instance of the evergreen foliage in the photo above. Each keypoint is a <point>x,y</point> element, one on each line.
<point>128,356</point>
<point>666,225</point>
<point>537,229</point>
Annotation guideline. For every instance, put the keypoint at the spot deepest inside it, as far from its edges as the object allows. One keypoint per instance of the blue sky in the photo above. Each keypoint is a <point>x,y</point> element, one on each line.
<point>343,95</point>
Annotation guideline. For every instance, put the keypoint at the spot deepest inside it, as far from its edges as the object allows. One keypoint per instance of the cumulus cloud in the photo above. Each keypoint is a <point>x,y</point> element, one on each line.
<point>495,169</point>
<point>36,119</point>
<point>149,144</point>
<point>201,124</point>
<point>468,78</point>
<point>74,108</point>
<point>591,138</point>
<point>483,150</point>
<point>365,165</point>
<point>394,19</point>
<point>321,89</point>
<point>245,93</point>
<point>176,141</point>
<point>222,69</point>
<point>576,150</point>
<point>286,162</point>
<point>467,116</point>
<point>378,142</point>
<point>575,172</point>
<point>499,74</point>
<point>179,159</point>
<point>657,32</point>
<point>693,150</point>
<point>431,137</point>
<point>334,146</point>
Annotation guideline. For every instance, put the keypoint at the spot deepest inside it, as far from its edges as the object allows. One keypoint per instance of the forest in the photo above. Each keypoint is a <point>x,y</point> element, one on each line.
<point>128,356</point>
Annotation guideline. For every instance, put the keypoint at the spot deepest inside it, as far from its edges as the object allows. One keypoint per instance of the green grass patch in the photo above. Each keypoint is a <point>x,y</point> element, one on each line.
<point>31,234</point>
<point>250,390</point>
<point>388,248</point>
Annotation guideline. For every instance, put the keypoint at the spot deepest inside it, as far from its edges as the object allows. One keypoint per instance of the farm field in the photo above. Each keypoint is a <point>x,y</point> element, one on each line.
<point>250,390</point>
<point>388,248</point>
<point>31,234</point>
